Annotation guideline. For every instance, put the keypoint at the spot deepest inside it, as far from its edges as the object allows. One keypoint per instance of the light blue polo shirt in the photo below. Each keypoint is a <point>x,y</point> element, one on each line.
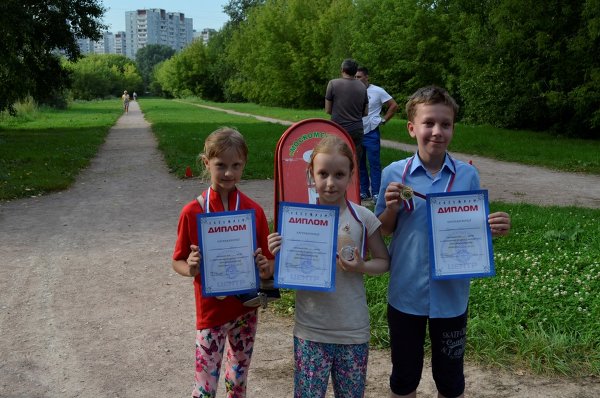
<point>411,289</point>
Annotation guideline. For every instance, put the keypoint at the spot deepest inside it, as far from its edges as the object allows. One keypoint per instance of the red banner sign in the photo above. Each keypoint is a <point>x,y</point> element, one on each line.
<point>292,182</point>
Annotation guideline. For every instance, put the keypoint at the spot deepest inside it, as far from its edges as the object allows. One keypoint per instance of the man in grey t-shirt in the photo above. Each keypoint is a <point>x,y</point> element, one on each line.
<point>347,102</point>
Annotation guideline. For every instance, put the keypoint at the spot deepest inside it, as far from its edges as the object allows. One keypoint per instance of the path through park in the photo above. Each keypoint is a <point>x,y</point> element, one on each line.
<point>90,307</point>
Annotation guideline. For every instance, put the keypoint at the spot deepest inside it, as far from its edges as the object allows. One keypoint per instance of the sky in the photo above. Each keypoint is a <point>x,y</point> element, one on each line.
<point>205,13</point>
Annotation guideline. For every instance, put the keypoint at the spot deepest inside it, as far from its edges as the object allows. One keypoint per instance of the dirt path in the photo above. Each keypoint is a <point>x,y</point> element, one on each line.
<point>89,305</point>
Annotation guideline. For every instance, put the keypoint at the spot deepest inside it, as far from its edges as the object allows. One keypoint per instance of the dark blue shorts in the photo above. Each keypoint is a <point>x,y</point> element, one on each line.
<point>407,339</point>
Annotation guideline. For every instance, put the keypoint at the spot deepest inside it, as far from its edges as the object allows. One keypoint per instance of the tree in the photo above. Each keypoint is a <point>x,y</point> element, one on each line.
<point>524,64</point>
<point>183,74</point>
<point>286,50</point>
<point>150,56</point>
<point>404,43</point>
<point>31,33</point>
<point>237,10</point>
<point>103,75</point>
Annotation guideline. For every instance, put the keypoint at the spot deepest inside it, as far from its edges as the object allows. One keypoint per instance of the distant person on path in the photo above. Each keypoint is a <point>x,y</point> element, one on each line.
<point>414,298</point>
<point>331,334</point>
<point>125,98</point>
<point>221,319</point>
<point>134,96</point>
<point>346,101</point>
<point>378,97</point>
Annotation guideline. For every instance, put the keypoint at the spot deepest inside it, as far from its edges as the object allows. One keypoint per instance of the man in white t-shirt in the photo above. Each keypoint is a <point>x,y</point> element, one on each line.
<point>378,98</point>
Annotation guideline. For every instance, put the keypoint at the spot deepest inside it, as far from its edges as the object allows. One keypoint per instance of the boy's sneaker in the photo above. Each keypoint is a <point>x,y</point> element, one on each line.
<point>375,197</point>
<point>364,196</point>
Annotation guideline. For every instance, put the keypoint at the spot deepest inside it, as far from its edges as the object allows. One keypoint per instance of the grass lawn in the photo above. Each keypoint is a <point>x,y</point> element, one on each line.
<point>541,312</point>
<point>44,151</point>
<point>520,146</point>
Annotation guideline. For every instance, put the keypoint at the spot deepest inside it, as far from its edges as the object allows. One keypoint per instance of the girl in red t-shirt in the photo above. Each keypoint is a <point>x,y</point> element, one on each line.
<point>220,319</point>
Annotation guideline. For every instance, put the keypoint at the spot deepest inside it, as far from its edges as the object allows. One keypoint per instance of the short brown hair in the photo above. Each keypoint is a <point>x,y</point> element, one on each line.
<point>429,95</point>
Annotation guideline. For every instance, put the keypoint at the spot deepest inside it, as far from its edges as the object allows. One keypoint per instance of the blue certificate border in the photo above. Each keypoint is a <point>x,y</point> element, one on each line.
<point>490,249</point>
<point>235,213</point>
<point>336,210</point>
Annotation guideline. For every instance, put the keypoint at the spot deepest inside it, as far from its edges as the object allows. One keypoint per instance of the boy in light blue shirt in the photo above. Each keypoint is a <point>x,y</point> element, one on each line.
<point>414,298</point>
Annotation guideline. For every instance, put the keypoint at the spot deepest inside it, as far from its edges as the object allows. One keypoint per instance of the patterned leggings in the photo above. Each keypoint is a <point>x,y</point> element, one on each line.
<point>210,344</point>
<point>347,364</point>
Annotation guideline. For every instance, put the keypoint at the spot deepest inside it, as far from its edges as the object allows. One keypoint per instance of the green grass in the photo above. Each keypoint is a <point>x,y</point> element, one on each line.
<point>44,150</point>
<point>541,312</point>
<point>526,147</point>
<point>181,129</point>
<point>520,146</point>
<point>293,115</point>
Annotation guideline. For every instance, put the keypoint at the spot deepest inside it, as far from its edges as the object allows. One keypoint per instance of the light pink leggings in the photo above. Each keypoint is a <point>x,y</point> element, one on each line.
<point>210,344</point>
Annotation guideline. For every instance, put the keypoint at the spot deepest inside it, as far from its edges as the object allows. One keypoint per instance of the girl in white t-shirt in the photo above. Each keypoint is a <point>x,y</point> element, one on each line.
<point>331,333</point>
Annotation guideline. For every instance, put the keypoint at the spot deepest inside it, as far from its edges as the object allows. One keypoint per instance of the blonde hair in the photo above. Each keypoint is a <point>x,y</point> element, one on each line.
<point>219,141</point>
<point>332,144</point>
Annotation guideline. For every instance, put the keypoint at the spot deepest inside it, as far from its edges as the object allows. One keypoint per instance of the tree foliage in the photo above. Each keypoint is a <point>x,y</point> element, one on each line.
<point>510,63</point>
<point>238,10</point>
<point>528,64</point>
<point>404,43</point>
<point>31,33</point>
<point>148,57</point>
<point>104,75</point>
<point>285,51</point>
<point>185,73</point>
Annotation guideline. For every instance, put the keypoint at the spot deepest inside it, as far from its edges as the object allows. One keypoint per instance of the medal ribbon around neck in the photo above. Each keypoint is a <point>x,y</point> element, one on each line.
<point>363,245</point>
<point>207,200</point>
<point>409,205</point>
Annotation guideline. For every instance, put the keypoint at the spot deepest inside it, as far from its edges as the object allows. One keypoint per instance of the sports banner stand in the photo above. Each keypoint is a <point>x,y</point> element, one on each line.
<point>292,181</point>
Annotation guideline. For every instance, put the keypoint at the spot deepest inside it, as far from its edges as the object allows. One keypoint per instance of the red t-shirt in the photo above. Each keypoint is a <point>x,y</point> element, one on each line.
<point>210,311</point>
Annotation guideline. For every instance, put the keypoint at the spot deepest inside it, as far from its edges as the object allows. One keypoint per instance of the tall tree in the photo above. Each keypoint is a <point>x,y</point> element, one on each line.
<point>150,56</point>
<point>238,10</point>
<point>103,75</point>
<point>31,34</point>
<point>185,73</point>
<point>404,43</point>
<point>286,50</point>
<point>526,64</point>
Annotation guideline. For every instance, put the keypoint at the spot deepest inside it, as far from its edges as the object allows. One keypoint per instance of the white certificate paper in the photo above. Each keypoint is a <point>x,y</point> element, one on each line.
<point>307,256</point>
<point>227,242</point>
<point>460,240</point>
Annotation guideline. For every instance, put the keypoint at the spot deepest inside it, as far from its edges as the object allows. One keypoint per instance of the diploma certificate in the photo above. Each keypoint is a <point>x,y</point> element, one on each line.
<point>307,255</point>
<point>227,241</point>
<point>460,240</point>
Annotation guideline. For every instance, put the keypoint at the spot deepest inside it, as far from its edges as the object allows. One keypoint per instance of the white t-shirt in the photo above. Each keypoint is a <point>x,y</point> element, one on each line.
<point>377,97</point>
<point>342,316</point>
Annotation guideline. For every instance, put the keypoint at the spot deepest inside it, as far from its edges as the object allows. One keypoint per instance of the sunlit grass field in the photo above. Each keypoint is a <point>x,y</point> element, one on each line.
<point>44,150</point>
<point>526,147</point>
<point>540,313</point>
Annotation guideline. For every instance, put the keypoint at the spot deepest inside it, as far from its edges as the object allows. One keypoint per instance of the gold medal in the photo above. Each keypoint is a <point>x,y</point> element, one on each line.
<point>406,193</point>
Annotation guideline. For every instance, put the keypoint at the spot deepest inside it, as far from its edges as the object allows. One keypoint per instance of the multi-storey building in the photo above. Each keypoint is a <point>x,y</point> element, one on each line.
<point>86,46</point>
<point>106,44</point>
<point>156,26</point>
<point>204,35</point>
<point>120,43</point>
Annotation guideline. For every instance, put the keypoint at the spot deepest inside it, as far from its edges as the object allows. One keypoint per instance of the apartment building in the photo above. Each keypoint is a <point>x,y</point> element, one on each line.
<point>156,26</point>
<point>105,45</point>
<point>204,35</point>
<point>120,43</point>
